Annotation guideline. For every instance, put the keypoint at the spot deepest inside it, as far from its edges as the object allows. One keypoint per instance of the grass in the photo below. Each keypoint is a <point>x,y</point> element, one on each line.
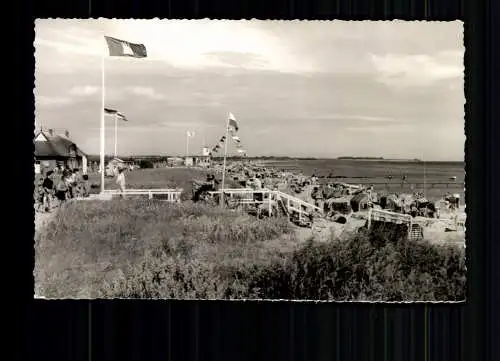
<point>158,178</point>
<point>152,249</point>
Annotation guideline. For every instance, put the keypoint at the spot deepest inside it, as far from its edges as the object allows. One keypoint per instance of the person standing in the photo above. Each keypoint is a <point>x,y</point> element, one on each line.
<point>85,186</point>
<point>76,181</point>
<point>48,190</point>
<point>120,181</point>
<point>62,189</point>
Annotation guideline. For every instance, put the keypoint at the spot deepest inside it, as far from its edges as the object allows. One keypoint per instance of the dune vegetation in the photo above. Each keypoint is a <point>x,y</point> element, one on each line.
<point>152,249</point>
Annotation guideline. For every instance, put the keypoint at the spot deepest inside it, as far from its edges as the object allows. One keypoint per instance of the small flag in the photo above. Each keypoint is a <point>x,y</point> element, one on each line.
<point>236,139</point>
<point>241,150</point>
<point>120,116</point>
<point>119,47</point>
<point>233,123</point>
<point>190,134</point>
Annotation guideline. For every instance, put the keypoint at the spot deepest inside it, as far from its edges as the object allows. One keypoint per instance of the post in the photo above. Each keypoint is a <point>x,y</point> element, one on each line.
<point>187,148</point>
<point>224,164</point>
<point>103,168</point>
<point>269,201</point>
<point>425,176</point>
<point>116,135</point>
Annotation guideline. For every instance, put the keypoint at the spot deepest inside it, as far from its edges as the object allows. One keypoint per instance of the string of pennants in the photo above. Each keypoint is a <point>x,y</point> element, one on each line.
<point>233,129</point>
<point>220,144</point>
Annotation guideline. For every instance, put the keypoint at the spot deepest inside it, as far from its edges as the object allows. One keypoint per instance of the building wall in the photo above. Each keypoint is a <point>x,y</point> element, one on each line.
<point>84,164</point>
<point>50,164</point>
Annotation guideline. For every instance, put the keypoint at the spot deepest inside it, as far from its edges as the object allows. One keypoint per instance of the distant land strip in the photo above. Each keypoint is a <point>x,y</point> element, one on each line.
<point>93,157</point>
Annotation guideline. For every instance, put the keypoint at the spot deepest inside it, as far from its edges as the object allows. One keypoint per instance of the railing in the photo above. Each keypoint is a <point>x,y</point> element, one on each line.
<point>291,203</point>
<point>173,195</point>
<point>379,215</point>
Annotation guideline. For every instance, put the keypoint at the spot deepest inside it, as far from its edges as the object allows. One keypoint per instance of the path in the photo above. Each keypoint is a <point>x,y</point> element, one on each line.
<point>41,219</point>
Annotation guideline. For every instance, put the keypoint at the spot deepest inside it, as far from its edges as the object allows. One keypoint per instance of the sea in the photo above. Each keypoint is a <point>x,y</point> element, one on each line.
<point>433,179</point>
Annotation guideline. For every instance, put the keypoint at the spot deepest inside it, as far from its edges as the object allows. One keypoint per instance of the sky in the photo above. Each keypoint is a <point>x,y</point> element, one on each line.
<point>324,89</point>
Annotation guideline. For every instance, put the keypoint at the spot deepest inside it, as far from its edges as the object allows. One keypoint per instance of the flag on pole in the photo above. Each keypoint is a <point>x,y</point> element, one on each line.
<point>115,112</point>
<point>190,134</point>
<point>233,124</point>
<point>119,47</point>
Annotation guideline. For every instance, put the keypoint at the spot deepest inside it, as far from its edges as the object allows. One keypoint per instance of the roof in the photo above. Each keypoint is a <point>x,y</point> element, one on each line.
<point>56,146</point>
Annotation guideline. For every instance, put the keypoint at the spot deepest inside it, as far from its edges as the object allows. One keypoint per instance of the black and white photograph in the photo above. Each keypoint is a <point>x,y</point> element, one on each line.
<point>249,160</point>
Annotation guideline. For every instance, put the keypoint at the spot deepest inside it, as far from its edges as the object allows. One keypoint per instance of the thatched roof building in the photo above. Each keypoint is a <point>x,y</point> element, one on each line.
<point>52,150</point>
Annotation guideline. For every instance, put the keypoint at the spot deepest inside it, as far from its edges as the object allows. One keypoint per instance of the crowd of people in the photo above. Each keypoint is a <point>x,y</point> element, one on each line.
<point>57,186</point>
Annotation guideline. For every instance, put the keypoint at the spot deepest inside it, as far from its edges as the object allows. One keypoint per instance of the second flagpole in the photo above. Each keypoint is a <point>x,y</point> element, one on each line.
<point>116,135</point>
<point>224,164</point>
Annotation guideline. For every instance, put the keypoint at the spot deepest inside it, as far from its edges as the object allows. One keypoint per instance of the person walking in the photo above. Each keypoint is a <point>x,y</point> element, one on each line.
<point>120,182</point>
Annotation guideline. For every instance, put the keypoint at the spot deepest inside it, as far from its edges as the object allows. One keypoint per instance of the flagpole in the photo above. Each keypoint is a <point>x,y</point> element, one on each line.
<point>224,164</point>
<point>102,125</point>
<point>116,135</point>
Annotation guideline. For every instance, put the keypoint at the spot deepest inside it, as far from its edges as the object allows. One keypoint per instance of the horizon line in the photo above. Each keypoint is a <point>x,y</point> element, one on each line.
<point>282,156</point>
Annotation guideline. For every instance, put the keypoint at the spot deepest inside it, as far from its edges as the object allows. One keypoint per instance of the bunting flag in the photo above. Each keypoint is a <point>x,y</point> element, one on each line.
<point>119,47</point>
<point>233,124</point>
<point>233,128</point>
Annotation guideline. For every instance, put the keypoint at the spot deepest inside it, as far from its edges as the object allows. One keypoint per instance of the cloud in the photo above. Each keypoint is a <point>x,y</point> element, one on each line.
<point>362,118</point>
<point>65,47</point>
<point>187,124</point>
<point>192,44</point>
<point>313,87</point>
<point>402,70</point>
<point>383,128</point>
<point>84,90</point>
<point>147,92</point>
<point>49,101</point>
<point>235,59</point>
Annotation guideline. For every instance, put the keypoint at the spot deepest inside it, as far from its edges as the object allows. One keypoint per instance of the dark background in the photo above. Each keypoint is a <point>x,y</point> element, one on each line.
<point>215,330</point>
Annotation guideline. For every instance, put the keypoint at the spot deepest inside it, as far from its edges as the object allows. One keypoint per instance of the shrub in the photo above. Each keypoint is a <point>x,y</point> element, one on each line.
<point>359,269</point>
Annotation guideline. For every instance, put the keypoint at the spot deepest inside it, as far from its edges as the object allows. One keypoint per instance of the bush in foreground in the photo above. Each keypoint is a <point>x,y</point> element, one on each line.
<point>147,249</point>
<point>91,243</point>
<point>356,270</point>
